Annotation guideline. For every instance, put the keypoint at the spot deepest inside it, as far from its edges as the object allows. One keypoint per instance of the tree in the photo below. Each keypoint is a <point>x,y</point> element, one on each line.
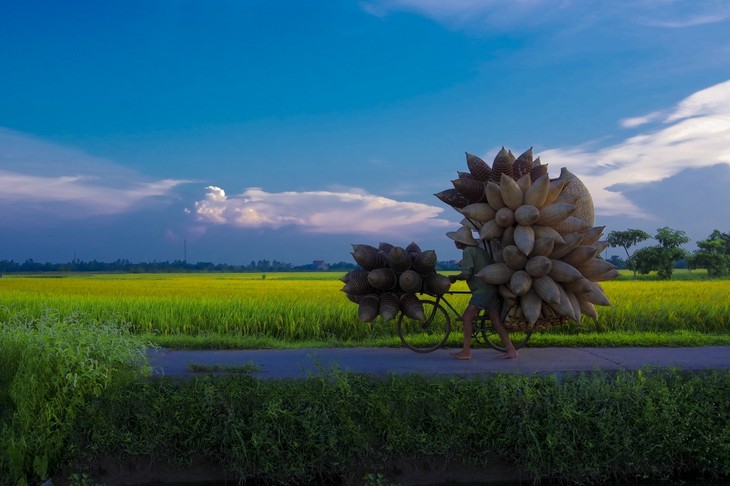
<point>661,257</point>
<point>713,254</point>
<point>617,261</point>
<point>627,239</point>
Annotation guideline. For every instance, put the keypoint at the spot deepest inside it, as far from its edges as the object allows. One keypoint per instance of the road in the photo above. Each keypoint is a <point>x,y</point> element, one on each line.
<point>298,363</point>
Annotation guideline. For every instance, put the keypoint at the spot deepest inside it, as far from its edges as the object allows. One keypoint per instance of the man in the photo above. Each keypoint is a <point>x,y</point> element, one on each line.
<point>484,295</point>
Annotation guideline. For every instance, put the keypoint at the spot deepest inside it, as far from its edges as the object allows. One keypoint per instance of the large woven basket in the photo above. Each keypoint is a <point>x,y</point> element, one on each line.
<point>515,321</point>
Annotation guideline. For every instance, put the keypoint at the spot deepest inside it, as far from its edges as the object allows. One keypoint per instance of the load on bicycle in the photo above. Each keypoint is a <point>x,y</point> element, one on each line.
<point>538,230</point>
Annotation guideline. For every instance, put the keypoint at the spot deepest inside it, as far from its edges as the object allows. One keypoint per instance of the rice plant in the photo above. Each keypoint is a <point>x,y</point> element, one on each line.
<point>295,307</point>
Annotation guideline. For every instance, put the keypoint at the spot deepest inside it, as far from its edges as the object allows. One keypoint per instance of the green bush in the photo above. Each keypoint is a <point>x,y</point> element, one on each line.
<point>52,369</point>
<point>583,428</point>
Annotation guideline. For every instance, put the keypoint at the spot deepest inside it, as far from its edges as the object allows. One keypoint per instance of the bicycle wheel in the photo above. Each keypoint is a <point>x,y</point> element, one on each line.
<point>427,335</point>
<point>490,336</point>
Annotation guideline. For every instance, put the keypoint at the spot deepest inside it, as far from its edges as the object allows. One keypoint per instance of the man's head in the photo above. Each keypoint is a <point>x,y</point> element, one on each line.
<point>462,238</point>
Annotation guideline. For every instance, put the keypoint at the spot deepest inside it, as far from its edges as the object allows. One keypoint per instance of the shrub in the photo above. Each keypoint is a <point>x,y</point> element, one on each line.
<point>583,428</point>
<point>51,370</point>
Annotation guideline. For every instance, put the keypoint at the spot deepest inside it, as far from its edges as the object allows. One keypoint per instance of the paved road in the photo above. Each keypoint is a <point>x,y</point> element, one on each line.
<point>296,363</point>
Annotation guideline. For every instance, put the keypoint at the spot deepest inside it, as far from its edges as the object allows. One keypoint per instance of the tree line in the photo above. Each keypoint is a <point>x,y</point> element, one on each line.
<point>712,253</point>
<point>179,266</point>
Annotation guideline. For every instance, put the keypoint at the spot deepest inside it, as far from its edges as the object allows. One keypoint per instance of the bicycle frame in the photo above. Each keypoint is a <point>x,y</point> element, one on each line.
<point>482,329</point>
<point>480,318</point>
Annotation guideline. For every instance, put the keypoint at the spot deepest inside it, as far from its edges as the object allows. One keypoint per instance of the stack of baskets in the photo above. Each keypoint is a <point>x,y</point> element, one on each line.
<point>540,233</point>
<point>389,279</point>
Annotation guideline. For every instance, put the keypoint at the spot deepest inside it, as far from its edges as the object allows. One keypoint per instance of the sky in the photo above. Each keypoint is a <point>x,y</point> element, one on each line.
<point>232,131</point>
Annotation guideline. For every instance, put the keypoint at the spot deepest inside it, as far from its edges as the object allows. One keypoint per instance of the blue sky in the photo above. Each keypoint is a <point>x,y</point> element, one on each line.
<point>248,130</point>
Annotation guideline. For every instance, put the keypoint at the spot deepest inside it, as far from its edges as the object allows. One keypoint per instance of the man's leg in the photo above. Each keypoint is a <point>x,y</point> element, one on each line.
<point>468,318</point>
<point>503,334</point>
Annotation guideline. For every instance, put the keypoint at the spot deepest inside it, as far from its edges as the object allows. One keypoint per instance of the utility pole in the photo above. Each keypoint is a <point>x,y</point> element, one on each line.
<point>185,251</point>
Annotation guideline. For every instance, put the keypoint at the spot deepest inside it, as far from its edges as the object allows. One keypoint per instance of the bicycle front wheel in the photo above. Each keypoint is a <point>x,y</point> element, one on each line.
<point>427,335</point>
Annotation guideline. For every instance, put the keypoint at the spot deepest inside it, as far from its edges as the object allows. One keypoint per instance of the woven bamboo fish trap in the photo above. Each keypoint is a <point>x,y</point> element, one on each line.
<point>425,262</point>
<point>389,306</point>
<point>369,257</point>
<point>368,307</point>
<point>515,320</point>
<point>410,281</point>
<point>542,239</point>
<point>399,259</point>
<point>390,278</point>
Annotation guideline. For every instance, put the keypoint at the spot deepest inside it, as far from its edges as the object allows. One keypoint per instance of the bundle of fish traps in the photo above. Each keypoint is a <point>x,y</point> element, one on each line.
<point>540,234</point>
<point>389,279</point>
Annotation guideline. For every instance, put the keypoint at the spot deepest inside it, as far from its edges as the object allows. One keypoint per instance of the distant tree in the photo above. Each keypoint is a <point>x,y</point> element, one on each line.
<point>661,258</point>
<point>617,261</point>
<point>713,254</point>
<point>627,239</point>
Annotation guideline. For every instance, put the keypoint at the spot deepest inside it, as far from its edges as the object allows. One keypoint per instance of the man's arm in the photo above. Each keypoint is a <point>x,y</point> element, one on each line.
<point>461,276</point>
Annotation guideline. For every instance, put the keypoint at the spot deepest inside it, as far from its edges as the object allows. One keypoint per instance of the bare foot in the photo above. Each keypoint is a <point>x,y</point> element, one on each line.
<point>461,355</point>
<point>509,355</point>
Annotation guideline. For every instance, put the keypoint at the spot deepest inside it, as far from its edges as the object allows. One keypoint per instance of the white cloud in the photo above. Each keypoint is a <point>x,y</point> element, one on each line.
<point>351,211</point>
<point>501,15</point>
<point>38,177</point>
<point>459,12</point>
<point>694,134</point>
<point>641,120</point>
<point>690,21</point>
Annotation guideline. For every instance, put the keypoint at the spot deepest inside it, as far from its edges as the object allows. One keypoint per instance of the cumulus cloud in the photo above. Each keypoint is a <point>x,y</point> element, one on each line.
<point>38,177</point>
<point>691,135</point>
<point>350,211</point>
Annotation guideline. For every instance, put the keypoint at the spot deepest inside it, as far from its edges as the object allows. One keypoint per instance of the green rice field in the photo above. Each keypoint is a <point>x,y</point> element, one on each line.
<point>294,309</point>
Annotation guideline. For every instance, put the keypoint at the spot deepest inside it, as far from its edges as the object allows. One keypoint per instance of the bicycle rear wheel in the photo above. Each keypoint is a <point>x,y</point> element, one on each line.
<point>427,335</point>
<point>490,336</point>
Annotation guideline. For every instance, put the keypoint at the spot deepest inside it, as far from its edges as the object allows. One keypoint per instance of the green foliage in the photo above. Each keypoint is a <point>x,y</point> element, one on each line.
<point>376,479</point>
<point>627,239</point>
<point>661,258</point>
<point>657,259</point>
<point>51,369</point>
<point>588,427</point>
<point>671,238</point>
<point>713,254</point>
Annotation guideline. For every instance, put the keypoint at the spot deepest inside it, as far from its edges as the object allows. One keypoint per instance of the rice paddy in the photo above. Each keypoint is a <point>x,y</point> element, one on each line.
<point>293,307</point>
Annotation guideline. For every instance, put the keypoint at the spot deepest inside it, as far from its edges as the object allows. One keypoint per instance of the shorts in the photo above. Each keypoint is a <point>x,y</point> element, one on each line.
<point>485,300</point>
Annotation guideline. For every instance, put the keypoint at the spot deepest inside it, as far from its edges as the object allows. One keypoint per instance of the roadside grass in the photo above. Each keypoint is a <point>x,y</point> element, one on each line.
<point>245,369</point>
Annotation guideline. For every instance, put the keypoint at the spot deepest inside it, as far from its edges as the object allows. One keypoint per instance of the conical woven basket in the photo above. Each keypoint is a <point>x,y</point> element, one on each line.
<point>399,259</point>
<point>516,321</point>
<point>577,193</point>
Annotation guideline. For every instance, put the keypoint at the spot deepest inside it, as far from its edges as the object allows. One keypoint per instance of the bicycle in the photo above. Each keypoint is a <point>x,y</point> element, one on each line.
<point>433,332</point>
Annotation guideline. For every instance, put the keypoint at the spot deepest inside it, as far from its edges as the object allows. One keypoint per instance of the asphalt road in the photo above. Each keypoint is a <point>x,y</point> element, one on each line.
<point>298,363</point>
